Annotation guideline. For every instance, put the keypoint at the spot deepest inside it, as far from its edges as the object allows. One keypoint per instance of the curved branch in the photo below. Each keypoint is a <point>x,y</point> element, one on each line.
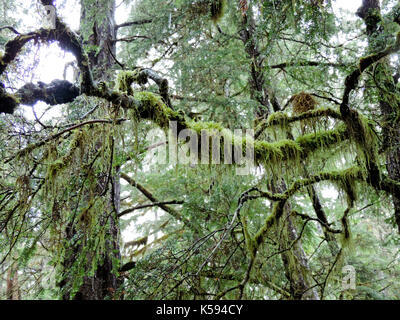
<point>10,28</point>
<point>56,92</point>
<point>67,40</point>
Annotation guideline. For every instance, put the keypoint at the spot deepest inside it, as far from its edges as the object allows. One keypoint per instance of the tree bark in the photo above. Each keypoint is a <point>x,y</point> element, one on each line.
<point>105,283</point>
<point>294,259</point>
<point>371,14</point>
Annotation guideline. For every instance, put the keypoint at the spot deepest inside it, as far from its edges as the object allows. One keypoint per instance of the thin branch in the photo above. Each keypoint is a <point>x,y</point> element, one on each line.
<point>177,215</point>
<point>154,204</point>
<point>133,23</point>
<point>10,28</point>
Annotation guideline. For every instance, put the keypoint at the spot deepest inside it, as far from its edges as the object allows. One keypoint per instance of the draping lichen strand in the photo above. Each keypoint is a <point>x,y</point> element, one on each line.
<point>56,167</point>
<point>344,179</point>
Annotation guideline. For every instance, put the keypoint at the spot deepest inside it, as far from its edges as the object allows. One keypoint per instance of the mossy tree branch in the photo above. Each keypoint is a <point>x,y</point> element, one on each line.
<point>357,128</point>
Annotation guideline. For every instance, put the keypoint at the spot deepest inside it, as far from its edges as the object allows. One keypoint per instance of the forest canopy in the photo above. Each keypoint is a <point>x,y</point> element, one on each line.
<point>207,149</point>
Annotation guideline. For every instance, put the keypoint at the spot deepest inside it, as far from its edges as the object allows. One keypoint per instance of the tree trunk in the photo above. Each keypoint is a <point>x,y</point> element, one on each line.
<point>389,104</point>
<point>294,259</point>
<point>98,18</point>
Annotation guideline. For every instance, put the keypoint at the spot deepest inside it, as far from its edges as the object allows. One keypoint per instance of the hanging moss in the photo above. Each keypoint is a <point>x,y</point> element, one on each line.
<point>125,79</point>
<point>366,141</point>
<point>277,152</point>
<point>323,139</point>
<point>277,212</point>
<point>150,106</point>
<point>58,165</point>
<point>278,118</point>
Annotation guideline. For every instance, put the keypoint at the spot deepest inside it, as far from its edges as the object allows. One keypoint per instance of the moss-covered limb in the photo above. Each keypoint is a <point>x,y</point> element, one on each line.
<point>282,119</point>
<point>344,177</point>
<point>140,75</point>
<point>354,121</point>
<point>125,79</point>
<point>352,79</point>
<point>149,106</point>
<point>28,149</point>
<point>347,176</point>
<point>162,84</point>
<point>277,212</point>
<point>56,92</point>
<point>233,277</point>
<point>302,147</point>
<point>275,153</point>
<point>174,213</point>
<point>68,41</point>
<point>306,63</point>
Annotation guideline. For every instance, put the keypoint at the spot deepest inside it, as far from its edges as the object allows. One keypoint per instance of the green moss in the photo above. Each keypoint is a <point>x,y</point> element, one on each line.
<point>59,164</point>
<point>322,139</point>
<point>150,106</point>
<point>147,105</point>
<point>250,243</point>
<point>278,118</point>
<point>274,153</point>
<point>366,141</point>
<point>277,212</point>
<point>126,78</point>
<point>27,150</point>
<point>206,125</point>
<point>365,62</point>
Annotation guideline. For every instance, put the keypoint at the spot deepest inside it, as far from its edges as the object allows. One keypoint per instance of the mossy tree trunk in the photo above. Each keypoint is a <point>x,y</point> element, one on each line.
<point>390,95</point>
<point>13,289</point>
<point>97,36</point>
<point>294,260</point>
